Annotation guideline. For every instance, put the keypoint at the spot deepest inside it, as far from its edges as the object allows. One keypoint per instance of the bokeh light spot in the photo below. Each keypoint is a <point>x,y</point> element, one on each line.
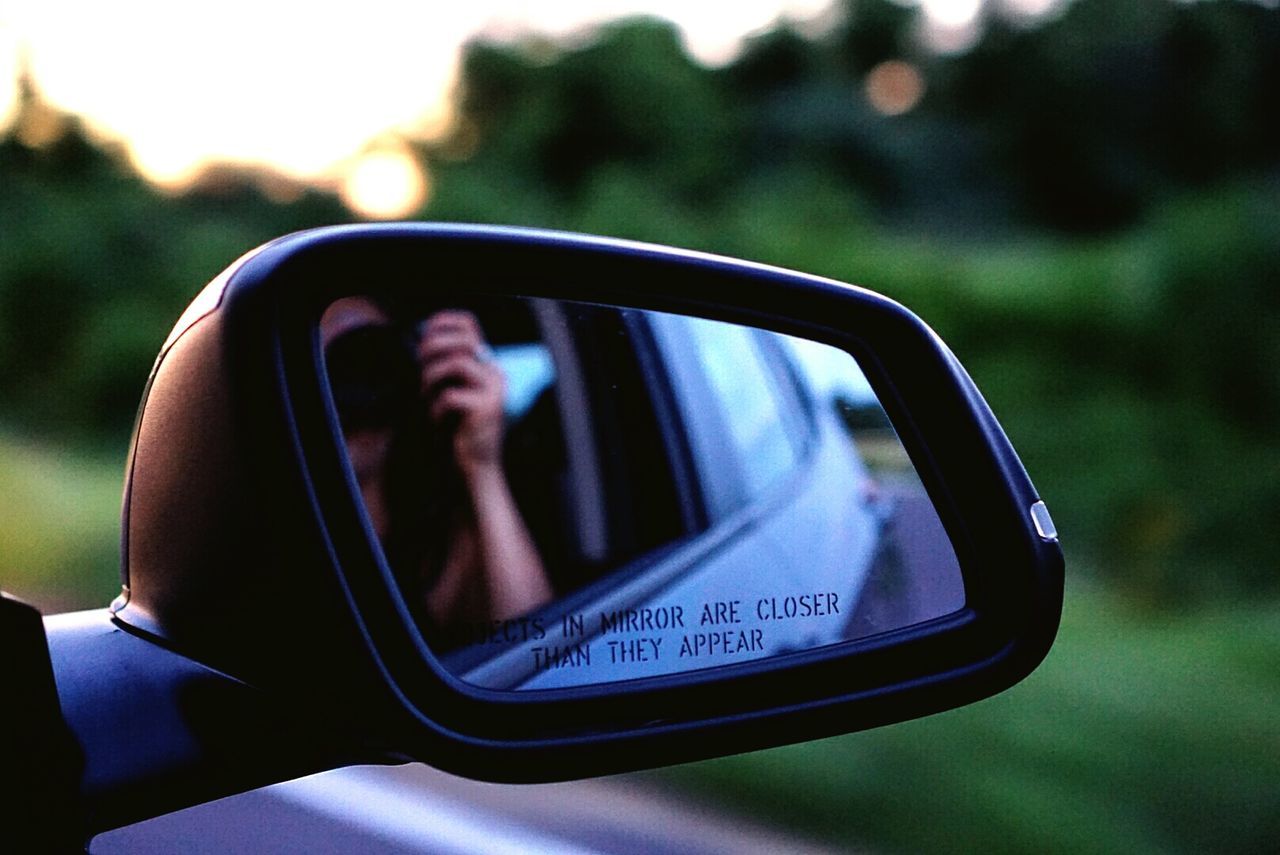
<point>385,184</point>
<point>894,87</point>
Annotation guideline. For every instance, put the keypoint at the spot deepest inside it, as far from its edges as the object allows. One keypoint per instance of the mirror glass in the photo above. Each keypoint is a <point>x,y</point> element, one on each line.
<point>570,494</point>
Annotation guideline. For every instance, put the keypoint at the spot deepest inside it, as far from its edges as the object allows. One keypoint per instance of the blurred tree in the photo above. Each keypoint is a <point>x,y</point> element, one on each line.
<point>872,31</point>
<point>1100,112</point>
<point>778,60</point>
<point>631,97</point>
<point>96,264</point>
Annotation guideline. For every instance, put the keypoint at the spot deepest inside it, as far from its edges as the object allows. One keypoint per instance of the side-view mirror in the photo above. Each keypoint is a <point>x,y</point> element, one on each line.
<point>529,506</point>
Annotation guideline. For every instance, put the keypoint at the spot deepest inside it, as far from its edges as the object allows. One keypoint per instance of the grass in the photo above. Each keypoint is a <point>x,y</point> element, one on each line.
<point>1137,734</point>
<point>59,524</point>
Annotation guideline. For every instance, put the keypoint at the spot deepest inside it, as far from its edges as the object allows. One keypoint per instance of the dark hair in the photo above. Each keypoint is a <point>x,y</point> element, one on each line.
<point>373,376</point>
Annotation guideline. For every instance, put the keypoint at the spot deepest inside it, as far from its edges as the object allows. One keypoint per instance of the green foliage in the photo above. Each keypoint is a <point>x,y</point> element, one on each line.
<point>1135,369</point>
<point>1081,125</point>
<point>631,95</point>
<point>59,523</point>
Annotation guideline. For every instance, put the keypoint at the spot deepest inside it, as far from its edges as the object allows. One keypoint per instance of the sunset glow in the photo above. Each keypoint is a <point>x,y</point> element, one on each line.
<point>302,88</point>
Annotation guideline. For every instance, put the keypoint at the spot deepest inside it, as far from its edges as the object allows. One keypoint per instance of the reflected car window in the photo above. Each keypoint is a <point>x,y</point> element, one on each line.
<point>529,371</point>
<point>744,389</point>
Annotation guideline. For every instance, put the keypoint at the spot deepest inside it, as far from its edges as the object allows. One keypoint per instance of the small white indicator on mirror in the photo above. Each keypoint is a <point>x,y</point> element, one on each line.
<point>1044,522</point>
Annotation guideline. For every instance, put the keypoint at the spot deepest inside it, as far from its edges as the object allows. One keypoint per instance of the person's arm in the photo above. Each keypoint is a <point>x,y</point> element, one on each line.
<point>514,577</point>
<point>467,392</point>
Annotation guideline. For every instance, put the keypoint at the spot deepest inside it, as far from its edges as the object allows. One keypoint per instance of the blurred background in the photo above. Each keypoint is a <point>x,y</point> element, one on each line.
<point>1083,198</point>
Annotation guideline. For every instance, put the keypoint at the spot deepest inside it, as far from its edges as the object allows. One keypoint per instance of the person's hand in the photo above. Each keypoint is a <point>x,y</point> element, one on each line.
<point>465,390</point>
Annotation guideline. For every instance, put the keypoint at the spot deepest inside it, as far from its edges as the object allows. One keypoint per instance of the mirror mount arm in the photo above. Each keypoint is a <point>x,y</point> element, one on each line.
<point>159,732</point>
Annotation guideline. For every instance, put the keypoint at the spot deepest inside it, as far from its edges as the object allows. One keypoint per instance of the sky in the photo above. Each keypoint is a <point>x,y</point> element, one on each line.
<point>318,91</point>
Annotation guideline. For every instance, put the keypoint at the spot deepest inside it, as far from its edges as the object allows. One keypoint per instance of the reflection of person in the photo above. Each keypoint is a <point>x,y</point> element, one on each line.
<point>423,423</point>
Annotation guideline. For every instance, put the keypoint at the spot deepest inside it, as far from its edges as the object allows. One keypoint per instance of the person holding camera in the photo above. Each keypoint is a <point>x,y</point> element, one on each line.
<point>422,418</point>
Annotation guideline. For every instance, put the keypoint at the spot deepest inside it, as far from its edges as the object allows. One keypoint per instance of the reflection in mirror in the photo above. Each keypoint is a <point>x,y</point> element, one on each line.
<point>569,494</point>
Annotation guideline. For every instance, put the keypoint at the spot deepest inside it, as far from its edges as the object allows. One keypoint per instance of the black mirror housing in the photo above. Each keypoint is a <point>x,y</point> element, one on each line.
<point>245,549</point>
